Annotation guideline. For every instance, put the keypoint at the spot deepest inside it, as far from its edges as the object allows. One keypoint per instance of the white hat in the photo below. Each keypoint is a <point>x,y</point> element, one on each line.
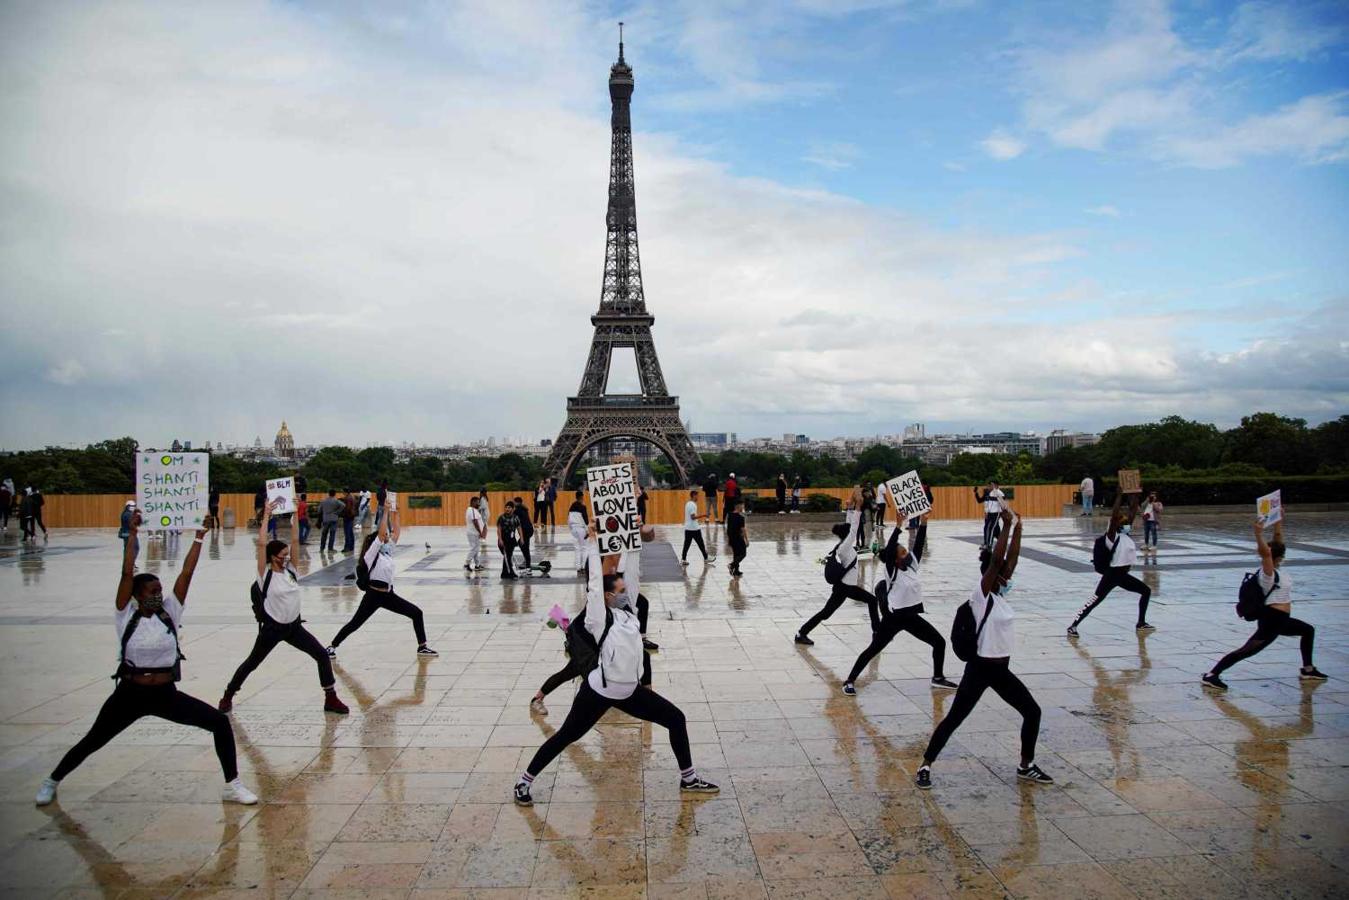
<point>131,503</point>
<point>732,474</point>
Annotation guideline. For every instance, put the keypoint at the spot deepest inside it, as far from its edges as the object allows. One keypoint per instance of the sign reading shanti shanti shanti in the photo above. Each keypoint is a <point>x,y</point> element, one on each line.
<point>172,490</point>
<point>613,501</point>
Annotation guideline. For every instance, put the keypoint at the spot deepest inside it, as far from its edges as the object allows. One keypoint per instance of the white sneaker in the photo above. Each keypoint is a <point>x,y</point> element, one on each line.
<point>235,792</point>
<point>47,792</point>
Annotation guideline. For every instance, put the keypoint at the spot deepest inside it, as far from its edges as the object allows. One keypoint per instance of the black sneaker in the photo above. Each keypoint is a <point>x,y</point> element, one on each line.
<point>698,786</point>
<point>1144,627</point>
<point>650,645</point>
<point>923,780</point>
<point>1213,681</point>
<point>942,682</point>
<point>1072,631</point>
<point>802,639</point>
<point>849,689</point>
<point>1312,674</point>
<point>426,651</point>
<point>1033,773</point>
<point>522,797</point>
<point>332,652</point>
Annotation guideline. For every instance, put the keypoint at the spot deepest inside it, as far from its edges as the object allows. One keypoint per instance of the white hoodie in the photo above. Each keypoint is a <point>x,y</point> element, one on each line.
<point>620,668</point>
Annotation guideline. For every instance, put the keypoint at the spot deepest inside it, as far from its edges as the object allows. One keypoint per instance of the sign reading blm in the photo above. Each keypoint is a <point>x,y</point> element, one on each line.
<point>908,494</point>
<point>281,493</point>
<point>172,489</point>
<point>613,501</point>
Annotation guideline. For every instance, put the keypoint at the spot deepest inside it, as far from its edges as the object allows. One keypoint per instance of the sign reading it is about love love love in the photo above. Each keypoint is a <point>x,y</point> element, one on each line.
<point>172,489</point>
<point>613,499</point>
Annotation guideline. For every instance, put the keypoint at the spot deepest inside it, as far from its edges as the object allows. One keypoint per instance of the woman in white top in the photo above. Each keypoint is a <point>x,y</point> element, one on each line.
<point>991,498</point>
<point>577,520</point>
<point>1122,556</point>
<point>147,637</point>
<point>377,555</point>
<point>612,621</point>
<point>279,621</point>
<point>990,667</point>
<point>1276,618</point>
<point>845,552</point>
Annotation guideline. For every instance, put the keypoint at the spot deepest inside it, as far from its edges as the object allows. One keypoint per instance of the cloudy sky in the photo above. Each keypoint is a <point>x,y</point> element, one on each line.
<point>384,221</point>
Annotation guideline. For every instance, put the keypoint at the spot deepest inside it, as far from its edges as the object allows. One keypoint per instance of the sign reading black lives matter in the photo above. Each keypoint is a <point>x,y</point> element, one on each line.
<point>613,500</point>
<point>909,496</point>
<point>172,490</point>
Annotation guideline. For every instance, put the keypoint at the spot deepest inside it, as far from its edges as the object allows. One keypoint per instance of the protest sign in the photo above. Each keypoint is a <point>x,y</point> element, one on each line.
<point>613,500</point>
<point>1269,508</point>
<point>281,491</point>
<point>908,495</point>
<point>391,499</point>
<point>1130,481</point>
<point>172,490</point>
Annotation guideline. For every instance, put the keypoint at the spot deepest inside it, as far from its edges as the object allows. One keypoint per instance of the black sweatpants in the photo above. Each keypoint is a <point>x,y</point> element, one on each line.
<point>980,675</point>
<point>990,524</point>
<point>589,706</point>
<point>691,538</point>
<point>375,600</point>
<point>1118,576</point>
<point>840,593</point>
<point>130,701</point>
<point>890,628</point>
<point>524,548</point>
<point>507,551</point>
<point>738,552</point>
<point>269,635</point>
<point>1272,623</point>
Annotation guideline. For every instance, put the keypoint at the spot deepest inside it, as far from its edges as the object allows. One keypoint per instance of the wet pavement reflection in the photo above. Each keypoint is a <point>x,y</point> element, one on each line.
<point>1162,789</point>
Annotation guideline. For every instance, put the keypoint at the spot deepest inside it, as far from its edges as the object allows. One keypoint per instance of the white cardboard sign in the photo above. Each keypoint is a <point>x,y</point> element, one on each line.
<point>172,490</point>
<point>613,501</point>
<point>1270,508</point>
<point>281,491</point>
<point>908,495</point>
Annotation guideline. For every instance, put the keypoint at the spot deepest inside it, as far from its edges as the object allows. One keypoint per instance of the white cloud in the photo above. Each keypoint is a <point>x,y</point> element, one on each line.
<point>66,372</point>
<point>832,155</point>
<point>1280,31</point>
<point>1003,146</point>
<point>1105,209</point>
<point>1313,130</point>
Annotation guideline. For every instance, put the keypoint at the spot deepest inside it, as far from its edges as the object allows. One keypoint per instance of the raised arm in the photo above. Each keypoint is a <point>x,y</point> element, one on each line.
<point>389,521</point>
<point>1113,528</point>
<point>990,579</point>
<point>596,610</point>
<point>1013,549</point>
<point>1266,558</point>
<point>920,541</point>
<point>189,565</point>
<point>129,562</point>
<point>262,537</point>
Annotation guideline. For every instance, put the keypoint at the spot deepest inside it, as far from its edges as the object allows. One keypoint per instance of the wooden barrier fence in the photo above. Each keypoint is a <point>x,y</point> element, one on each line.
<point>665,507</point>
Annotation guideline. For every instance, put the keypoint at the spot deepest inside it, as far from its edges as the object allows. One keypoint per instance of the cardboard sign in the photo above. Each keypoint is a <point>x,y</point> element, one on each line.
<point>613,502</point>
<point>282,492</point>
<point>391,499</point>
<point>1130,481</point>
<point>908,495</point>
<point>172,490</point>
<point>1269,508</point>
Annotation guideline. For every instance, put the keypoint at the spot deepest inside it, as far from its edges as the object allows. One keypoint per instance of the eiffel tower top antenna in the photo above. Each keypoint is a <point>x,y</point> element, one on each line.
<point>620,42</point>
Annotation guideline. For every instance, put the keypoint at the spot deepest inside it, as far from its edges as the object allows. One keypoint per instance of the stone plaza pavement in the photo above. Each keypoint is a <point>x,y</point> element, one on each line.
<point>1161,790</point>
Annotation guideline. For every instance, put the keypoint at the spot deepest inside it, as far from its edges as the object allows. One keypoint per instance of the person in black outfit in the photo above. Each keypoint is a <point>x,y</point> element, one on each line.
<point>507,524</point>
<point>641,503</point>
<point>710,492</point>
<point>38,502</point>
<point>526,532</point>
<point>213,506</point>
<point>736,536</point>
<point>780,490</point>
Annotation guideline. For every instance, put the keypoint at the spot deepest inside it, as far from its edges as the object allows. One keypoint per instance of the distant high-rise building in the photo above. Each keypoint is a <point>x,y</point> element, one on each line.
<point>177,446</point>
<point>915,432</point>
<point>285,442</point>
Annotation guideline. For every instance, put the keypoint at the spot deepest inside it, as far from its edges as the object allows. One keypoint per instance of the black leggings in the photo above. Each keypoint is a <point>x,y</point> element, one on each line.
<point>374,600</point>
<point>1272,623</point>
<point>589,706</point>
<point>990,523</point>
<point>840,593</point>
<point>738,552</point>
<point>524,548</point>
<point>1118,576</point>
<point>981,674</point>
<point>562,676</point>
<point>890,627</point>
<point>269,635</point>
<point>507,551</point>
<point>130,701</point>
<point>691,538</point>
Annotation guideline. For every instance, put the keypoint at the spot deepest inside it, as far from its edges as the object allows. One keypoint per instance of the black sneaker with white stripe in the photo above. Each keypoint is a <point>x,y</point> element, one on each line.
<point>1033,773</point>
<point>522,795</point>
<point>696,785</point>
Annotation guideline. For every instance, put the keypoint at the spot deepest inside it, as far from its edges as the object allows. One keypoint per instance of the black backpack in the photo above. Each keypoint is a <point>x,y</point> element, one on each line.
<point>258,594</point>
<point>581,645</point>
<point>1102,554</point>
<point>124,670</point>
<point>362,575</point>
<point>1251,598</point>
<point>835,570</point>
<point>964,636</point>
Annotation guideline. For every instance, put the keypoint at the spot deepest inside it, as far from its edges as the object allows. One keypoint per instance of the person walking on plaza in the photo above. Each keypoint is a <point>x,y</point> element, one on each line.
<point>1275,618</point>
<point>475,529</point>
<point>330,513</point>
<point>485,510</point>
<point>26,529</point>
<point>796,495</point>
<point>993,638</point>
<point>541,502</point>
<point>612,623</point>
<point>381,498</point>
<point>878,519</point>
<point>992,499</point>
<point>38,502</point>
<point>780,491</point>
<point>710,489</point>
<point>348,516</point>
<point>642,499</point>
<point>737,535</point>
<point>124,529</point>
<point>363,506</point>
<point>276,605</point>
<point>302,519</point>
<point>1088,489</point>
<point>1123,552</point>
<point>848,572</point>
<point>524,532</point>
<point>377,582</point>
<point>693,529</point>
<point>552,502</point>
<point>578,517</point>
<point>1152,520</point>
<point>899,601</point>
<point>147,622</point>
<point>730,492</point>
<point>507,523</point>
<point>867,506</point>
<point>259,501</point>
<point>6,502</point>
<point>213,507</point>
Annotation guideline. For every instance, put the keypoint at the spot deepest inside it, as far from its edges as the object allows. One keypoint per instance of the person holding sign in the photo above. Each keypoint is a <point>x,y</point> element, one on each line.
<point>1275,618</point>
<point>899,600</point>
<point>1122,551</point>
<point>989,666</point>
<point>611,622</point>
<point>147,622</point>
<point>992,499</point>
<point>374,575</point>
<point>276,605</point>
<point>844,563</point>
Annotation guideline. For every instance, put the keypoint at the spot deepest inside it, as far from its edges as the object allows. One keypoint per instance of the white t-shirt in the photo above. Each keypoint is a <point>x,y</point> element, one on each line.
<point>881,493</point>
<point>1126,551</point>
<point>151,645</point>
<point>621,652</point>
<point>1282,596</point>
<point>473,521</point>
<point>282,602</point>
<point>379,560</point>
<point>998,637</point>
<point>691,516</point>
<point>1088,489</point>
<point>993,504</point>
<point>847,551</point>
<point>906,588</point>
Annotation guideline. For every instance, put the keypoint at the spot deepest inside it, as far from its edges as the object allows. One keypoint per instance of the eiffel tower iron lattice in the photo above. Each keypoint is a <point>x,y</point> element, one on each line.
<point>594,415</point>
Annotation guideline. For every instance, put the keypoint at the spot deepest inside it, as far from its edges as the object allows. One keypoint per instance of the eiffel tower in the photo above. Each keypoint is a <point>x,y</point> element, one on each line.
<point>594,415</point>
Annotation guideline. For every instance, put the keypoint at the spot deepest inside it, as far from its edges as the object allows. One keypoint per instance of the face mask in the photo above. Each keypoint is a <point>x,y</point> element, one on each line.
<point>1004,589</point>
<point>151,604</point>
<point>1125,529</point>
<point>906,562</point>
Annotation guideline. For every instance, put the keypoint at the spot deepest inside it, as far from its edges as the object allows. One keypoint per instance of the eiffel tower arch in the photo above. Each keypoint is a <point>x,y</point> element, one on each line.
<point>622,323</point>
